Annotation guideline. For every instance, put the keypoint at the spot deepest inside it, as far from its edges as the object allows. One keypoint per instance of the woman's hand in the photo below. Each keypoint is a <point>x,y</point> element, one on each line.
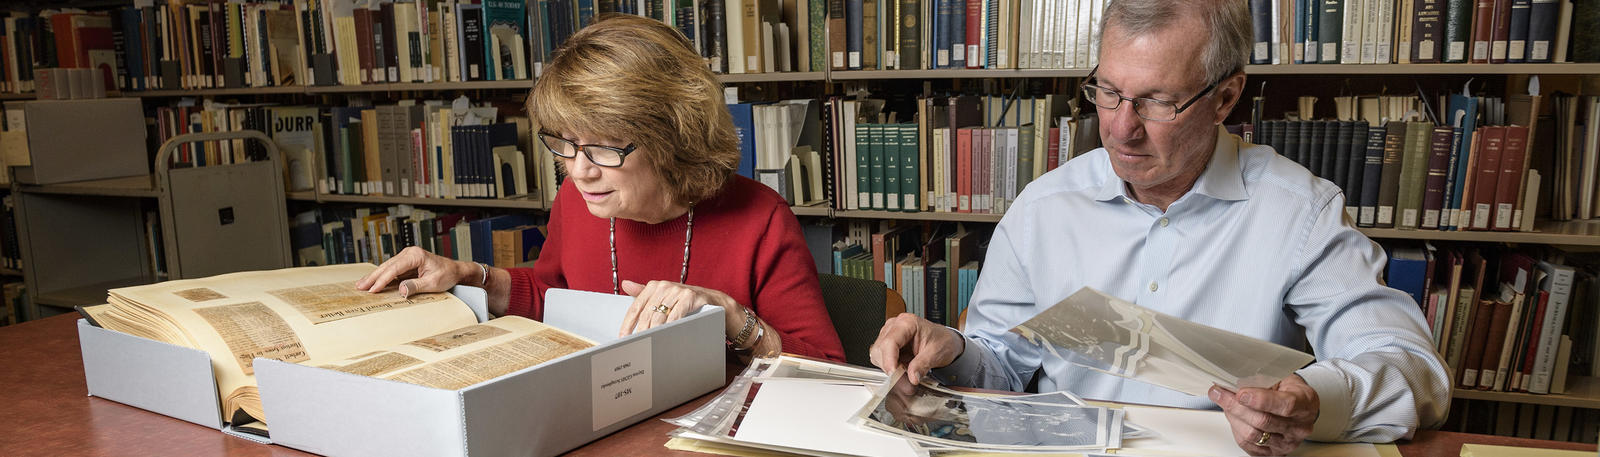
<point>421,270</point>
<point>660,302</point>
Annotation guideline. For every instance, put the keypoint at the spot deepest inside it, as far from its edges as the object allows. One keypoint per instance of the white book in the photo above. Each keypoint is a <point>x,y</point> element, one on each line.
<point>1029,9</point>
<point>1370,31</point>
<point>1561,278</point>
<point>936,189</point>
<point>1385,32</point>
<point>1085,20</point>
<point>1402,29</point>
<point>862,196</point>
<point>1062,35</point>
<point>1350,44</point>
<point>1275,38</point>
<point>733,11</point>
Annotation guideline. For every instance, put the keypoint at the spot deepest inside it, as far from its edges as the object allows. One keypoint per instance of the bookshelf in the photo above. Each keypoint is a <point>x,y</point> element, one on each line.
<point>1584,391</point>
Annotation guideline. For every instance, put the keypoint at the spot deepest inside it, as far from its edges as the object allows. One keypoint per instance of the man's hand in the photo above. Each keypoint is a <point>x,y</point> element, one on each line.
<point>925,344</point>
<point>1286,413</point>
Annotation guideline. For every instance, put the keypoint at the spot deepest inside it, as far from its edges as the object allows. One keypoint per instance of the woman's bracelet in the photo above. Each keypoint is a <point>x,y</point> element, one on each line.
<point>750,324</point>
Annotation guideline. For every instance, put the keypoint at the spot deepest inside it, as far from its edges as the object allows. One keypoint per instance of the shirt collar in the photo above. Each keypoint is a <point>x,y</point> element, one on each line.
<point>1222,179</point>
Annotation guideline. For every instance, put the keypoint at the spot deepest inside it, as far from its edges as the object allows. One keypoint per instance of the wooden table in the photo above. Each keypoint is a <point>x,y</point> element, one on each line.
<point>46,412</point>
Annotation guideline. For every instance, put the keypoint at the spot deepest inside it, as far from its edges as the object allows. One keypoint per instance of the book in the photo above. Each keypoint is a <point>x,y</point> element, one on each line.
<point>315,316</point>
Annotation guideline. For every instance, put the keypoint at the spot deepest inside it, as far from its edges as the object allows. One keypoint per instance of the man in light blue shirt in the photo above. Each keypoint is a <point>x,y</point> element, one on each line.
<point>1179,216</point>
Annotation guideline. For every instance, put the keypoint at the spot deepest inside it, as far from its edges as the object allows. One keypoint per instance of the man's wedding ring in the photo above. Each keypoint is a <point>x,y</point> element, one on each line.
<point>1265,436</point>
<point>660,308</point>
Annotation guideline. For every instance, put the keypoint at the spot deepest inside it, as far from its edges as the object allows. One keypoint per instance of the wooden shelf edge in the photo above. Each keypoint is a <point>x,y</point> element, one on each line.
<point>788,76</point>
<point>1582,392</point>
<point>1424,69</point>
<point>957,73</point>
<point>515,203</point>
<point>1561,233</point>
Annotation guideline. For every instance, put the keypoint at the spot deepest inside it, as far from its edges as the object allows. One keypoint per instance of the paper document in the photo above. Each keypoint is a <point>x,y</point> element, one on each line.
<point>1138,343</point>
<point>1193,432</point>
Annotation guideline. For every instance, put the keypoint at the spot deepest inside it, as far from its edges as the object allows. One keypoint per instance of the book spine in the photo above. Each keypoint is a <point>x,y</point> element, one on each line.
<point>1413,175</point>
<point>1501,31</point>
<point>1438,169</point>
<point>1482,30</point>
<point>1509,183</point>
<point>1261,37</point>
<point>1352,167</point>
<point>1330,30</point>
<point>1371,176</point>
<point>1457,30</point>
<point>1486,176</point>
<point>1426,31</point>
<point>1542,27</point>
<point>1389,190</point>
<point>1517,32</point>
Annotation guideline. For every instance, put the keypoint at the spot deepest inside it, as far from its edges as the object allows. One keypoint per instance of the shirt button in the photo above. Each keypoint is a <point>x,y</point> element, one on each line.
<point>1153,286</point>
<point>1163,222</point>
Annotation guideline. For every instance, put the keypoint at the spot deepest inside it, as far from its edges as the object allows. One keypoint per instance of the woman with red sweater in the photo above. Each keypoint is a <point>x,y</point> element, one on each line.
<point>651,206</point>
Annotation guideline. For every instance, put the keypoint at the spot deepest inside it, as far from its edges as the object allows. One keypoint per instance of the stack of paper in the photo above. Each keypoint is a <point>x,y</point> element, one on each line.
<point>800,406</point>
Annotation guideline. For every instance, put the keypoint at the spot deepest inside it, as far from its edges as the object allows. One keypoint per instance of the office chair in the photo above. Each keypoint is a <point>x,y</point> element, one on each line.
<point>858,309</point>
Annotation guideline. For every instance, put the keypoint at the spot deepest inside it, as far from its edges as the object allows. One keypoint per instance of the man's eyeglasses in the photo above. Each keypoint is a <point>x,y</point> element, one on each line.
<point>605,156</point>
<point>1147,108</point>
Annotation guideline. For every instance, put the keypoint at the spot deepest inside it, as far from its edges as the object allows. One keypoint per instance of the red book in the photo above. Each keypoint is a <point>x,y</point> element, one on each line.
<point>1476,337</point>
<point>1483,30</point>
<point>974,34</point>
<point>1485,182</point>
<point>1532,346</point>
<point>1502,31</point>
<point>1494,345</point>
<point>1053,150</point>
<point>964,170</point>
<point>1512,156</point>
<point>364,58</point>
<point>1433,184</point>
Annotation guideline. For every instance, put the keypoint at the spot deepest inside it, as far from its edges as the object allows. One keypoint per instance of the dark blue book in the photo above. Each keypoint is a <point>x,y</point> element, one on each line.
<point>1408,271</point>
<point>1311,135</point>
<point>937,292</point>
<point>1371,176</point>
<point>1261,39</point>
<point>958,33</point>
<point>1354,157</point>
<point>1298,50</point>
<point>744,125</point>
<point>1331,145</point>
<point>1542,24</point>
<point>1336,162</point>
<point>1517,48</point>
<point>853,33</point>
<point>1291,141</point>
<point>483,233</point>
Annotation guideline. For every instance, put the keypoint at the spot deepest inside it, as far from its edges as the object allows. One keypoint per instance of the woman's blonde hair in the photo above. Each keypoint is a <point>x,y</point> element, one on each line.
<point>635,79</point>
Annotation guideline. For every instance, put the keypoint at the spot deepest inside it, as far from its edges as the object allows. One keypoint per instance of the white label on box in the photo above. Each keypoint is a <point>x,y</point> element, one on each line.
<point>622,381</point>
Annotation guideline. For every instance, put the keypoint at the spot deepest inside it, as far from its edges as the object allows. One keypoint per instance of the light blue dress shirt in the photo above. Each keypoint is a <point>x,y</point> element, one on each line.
<point>1259,246</point>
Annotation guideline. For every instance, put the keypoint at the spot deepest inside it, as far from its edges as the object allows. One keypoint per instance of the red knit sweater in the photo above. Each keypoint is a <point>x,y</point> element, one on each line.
<point>746,243</point>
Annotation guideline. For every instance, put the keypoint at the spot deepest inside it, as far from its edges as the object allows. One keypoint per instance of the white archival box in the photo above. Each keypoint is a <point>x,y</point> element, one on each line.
<point>541,410</point>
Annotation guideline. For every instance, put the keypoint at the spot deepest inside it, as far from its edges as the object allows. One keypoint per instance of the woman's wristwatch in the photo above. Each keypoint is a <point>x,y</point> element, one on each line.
<point>751,324</point>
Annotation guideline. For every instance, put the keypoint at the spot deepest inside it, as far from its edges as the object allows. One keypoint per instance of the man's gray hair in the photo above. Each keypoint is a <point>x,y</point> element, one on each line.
<point>1227,22</point>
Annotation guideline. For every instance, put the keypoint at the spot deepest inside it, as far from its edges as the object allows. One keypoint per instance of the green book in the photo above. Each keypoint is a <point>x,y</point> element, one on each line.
<point>888,141</point>
<point>1025,152</point>
<point>863,166</point>
<point>1413,174</point>
<point>910,169</point>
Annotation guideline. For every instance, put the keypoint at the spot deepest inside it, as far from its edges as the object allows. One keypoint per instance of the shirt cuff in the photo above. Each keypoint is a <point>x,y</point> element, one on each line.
<point>1333,417</point>
<point>964,369</point>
